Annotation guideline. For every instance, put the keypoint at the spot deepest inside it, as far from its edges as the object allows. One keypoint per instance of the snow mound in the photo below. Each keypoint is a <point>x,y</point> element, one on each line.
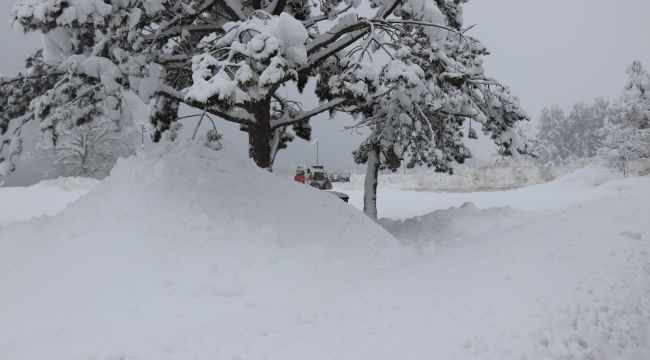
<point>198,188</point>
<point>174,249</point>
<point>588,176</point>
<point>432,230</point>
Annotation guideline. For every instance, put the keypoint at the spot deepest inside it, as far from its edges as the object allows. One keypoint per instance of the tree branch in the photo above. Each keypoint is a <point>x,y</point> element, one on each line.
<point>288,120</point>
<point>239,117</point>
<point>344,36</point>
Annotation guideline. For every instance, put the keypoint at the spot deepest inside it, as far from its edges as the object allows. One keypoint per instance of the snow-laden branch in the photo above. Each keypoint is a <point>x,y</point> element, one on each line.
<point>423,23</point>
<point>305,115</point>
<point>347,30</point>
<point>192,28</point>
<point>237,115</point>
<point>180,22</point>
<point>316,19</point>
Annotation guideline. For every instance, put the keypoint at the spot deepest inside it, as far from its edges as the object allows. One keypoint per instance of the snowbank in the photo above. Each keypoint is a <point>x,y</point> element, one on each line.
<point>190,254</point>
<point>45,198</point>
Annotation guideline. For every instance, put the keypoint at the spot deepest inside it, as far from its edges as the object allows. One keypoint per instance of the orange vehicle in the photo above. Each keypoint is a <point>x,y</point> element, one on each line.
<point>316,176</point>
<point>300,175</point>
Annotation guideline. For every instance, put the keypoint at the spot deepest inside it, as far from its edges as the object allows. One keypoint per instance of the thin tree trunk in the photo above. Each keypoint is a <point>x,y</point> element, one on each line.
<point>370,183</point>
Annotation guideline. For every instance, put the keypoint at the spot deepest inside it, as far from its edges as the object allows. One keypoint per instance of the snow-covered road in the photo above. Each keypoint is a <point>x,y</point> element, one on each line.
<point>396,203</point>
<point>141,268</point>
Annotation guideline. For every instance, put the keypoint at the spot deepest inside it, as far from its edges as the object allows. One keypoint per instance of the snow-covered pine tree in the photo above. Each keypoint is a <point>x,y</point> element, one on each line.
<point>71,81</point>
<point>634,107</point>
<point>235,59</point>
<point>627,134</point>
<point>431,88</point>
<point>552,136</point>
<point>584,126</point>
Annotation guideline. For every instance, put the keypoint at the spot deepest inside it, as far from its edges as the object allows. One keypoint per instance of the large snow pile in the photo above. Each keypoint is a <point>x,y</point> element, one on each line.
<point>181,256</point>
<point>45,198</point>
<point>193,255</point>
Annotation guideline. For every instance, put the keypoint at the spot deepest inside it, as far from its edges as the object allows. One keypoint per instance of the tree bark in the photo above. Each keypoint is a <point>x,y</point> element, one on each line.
<point>260,136</point>
<point>370,183</point>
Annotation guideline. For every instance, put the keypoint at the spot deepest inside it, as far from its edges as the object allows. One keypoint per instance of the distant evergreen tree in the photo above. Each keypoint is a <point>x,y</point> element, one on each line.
<point>562,137</point>
<point>585,122</point>
<point>553,135</point>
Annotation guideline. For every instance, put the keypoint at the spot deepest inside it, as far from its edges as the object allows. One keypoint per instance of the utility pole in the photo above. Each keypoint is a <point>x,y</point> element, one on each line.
<point>142,129</point>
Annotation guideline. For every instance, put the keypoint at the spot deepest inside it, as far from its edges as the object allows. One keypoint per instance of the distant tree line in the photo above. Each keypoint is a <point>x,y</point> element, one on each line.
<point>619,131</point>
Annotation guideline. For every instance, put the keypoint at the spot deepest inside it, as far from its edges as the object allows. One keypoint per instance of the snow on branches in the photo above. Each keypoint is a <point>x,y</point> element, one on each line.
<point>406,68</point>
<point>252,58</point>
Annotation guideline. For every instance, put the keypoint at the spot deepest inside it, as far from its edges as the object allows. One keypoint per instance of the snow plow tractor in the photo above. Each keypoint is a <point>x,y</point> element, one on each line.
<point>314,176</point>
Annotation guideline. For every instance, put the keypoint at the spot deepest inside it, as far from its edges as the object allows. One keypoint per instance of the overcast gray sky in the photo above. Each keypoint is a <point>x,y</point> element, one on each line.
<point>561,51</point>
<point>548,52</point>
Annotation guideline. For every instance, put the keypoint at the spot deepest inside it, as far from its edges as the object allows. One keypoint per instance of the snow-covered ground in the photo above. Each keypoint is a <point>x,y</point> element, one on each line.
<point>194,255</point>
<point>395,202</point>
<point>46,198</point>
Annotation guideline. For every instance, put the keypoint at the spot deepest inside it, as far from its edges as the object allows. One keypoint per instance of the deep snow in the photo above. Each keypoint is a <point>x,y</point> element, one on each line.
<point>46,198</point>
<point>190,256</point>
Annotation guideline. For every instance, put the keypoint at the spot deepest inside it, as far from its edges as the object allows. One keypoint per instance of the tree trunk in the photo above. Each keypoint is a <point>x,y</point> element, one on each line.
<point>370,183</point>
<point>260,137</point>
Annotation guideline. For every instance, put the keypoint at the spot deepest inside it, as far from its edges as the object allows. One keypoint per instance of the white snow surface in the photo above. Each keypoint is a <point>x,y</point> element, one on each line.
<point>194,255</point>
<point>46,198</point>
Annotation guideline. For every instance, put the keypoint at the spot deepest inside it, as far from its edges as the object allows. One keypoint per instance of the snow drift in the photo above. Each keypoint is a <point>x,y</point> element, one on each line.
<point>175,249</point>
